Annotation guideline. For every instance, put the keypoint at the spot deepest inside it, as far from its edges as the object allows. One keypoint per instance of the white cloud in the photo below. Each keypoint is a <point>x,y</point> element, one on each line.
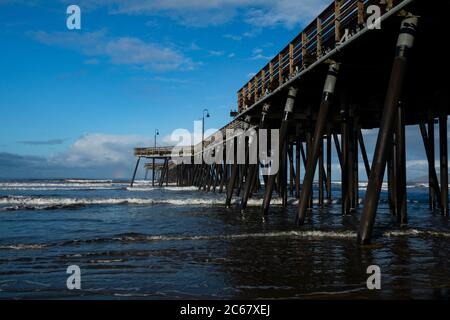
<point>94,155</point>
<point>233,37</point>
<point>258,54</point>
<point>99,149</point>
<point>288,13</point>
<point>215,53</point>
<point>118,50</point>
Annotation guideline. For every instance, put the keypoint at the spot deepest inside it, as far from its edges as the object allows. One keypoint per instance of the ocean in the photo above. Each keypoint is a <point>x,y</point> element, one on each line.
<point>181,243</point>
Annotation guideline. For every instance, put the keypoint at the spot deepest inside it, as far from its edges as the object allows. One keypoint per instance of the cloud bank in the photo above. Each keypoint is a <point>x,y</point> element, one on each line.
<point>91,156</point>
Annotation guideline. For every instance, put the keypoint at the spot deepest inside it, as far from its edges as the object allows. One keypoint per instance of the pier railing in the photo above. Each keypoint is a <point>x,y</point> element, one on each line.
<point>153,152</point>
<point>322,35</point>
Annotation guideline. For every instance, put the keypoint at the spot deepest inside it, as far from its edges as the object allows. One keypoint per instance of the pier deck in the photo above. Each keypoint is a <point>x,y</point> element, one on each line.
<point>335,79</point>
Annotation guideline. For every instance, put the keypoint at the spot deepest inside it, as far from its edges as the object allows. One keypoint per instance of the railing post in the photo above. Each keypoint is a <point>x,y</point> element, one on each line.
<point>319,37</point>
<point>337,21</point>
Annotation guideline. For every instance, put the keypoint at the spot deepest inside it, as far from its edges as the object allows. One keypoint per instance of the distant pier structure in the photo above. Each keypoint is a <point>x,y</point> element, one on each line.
<point>161,170</point>
<point>340,76</point>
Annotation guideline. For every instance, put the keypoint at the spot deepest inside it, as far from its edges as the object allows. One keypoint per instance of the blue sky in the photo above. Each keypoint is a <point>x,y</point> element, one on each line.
<point>75,103</point>
<point>69,97</point>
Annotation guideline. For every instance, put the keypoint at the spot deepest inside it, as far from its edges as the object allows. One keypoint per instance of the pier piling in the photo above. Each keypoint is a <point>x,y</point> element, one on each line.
<point>404,44</point>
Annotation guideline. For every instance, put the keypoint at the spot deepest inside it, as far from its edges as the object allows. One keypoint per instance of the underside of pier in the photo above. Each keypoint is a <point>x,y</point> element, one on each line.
<point>337,79</point>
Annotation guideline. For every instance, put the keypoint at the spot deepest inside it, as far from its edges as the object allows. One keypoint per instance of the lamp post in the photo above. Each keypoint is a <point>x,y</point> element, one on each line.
<point>153,169</point>
<point>207,115</point>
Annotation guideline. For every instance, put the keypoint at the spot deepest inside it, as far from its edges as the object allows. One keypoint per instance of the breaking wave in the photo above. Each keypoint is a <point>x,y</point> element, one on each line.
<point>150,188</point>
<point>88,181</point>
<point>63,186</point>
<point>14,203</point>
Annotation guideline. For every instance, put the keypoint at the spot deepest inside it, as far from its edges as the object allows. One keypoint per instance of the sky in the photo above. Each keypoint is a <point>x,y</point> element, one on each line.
<point>74,103</point>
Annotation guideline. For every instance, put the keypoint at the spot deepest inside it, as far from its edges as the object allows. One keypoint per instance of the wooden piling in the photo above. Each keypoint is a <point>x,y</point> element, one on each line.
<point>443,147</point>
<point>135,171</point>
<point>404,44</point>
<point>400,158</point>
<point>288,110</point>
<point>313,152</point>
<point>431,163</point>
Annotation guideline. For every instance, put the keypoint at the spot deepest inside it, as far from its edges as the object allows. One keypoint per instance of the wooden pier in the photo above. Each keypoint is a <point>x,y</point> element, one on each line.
<point>337,78</point>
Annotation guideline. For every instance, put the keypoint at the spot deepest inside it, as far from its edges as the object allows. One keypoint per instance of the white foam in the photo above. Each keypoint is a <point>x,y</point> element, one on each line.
<point>58,186</point>
<point>150,188</point>
<point>51,184</point>
<point>416,233</point>
<point>23,247</point>
<point>56,189</point>
<point>419,185</point>
<point>277,234</point>
<point>46,202</point>
<point>88,181</point>
<point>223,237</point>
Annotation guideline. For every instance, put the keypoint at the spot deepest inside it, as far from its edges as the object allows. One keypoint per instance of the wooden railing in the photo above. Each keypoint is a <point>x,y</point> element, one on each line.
<point>322,35</point>
<point>153,152</point>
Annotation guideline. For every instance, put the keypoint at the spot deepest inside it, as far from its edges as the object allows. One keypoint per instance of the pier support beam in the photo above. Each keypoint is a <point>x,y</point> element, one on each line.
<point>291,169</point>
<point>400,158</point>
<point>363,152</point>
<point>404,44</point>
<point>288,111</point>
<point>338,149</point>
<point>429,149</point>
<point>313,152</point>
<point>392,182</point>
<point>282,176</point>
<point>297,162</point>
<point>329,164</point>
<point>355,168</point>
<point>321,173</point>
<point>345,183</point>
<point>253,170</point>
<point>443,149</point>
<point>153,172</point>
<point>224,168</point>
<point>431,163</point>
<point>135,171</point>
<point>234,173</point>
<point>308,144</point>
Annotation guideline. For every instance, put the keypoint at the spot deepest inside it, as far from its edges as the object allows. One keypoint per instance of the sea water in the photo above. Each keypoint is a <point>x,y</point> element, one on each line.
<point>181,243</point>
